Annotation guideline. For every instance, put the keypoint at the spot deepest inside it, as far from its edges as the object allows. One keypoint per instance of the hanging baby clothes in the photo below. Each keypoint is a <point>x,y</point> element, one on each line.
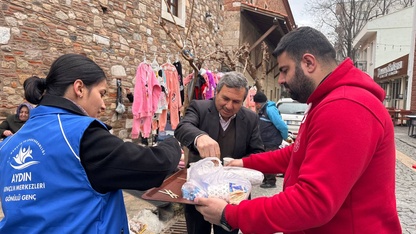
<point>217,76</point>
<point>211,85</point>
<point>174,97</point>
<point>188,79</point>
<point>159,119</point>
<point>249,102</point>
<point>162,107</point>
<point>146,96</point>
<point>200,85</point>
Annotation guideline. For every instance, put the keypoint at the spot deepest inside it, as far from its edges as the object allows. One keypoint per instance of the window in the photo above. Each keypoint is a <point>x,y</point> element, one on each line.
<point>396,87</point>
<point>177,7</point>
<point>173,5</point>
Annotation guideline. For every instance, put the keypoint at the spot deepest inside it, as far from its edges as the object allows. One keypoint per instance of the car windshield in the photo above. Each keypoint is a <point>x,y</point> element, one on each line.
<point>292,108</point>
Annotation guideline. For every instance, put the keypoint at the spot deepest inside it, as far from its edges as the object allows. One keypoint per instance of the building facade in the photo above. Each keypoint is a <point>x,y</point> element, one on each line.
<point>385,50</point>
<point>260,24</point>
<point>119,35</point>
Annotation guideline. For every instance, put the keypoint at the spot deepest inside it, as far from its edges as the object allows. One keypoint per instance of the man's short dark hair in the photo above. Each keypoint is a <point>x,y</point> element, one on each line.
<point>306,40</point>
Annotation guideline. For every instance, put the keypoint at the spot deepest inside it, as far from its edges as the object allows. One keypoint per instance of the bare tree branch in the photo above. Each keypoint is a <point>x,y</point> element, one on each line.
<point>190,20</point>
<point>174,22</point>
<point>348,18</point>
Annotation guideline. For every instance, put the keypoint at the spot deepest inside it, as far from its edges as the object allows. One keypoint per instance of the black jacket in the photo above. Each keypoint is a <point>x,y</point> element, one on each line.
<point>202,117</point>
<point>12,123</point>
<point>111,163</point>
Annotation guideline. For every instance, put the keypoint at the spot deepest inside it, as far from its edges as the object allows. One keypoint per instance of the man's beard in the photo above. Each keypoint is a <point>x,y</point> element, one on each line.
<point>301,86</point>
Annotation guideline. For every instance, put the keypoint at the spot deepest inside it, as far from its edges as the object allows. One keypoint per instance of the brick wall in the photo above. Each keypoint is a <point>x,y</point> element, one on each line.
<point>115,34</point>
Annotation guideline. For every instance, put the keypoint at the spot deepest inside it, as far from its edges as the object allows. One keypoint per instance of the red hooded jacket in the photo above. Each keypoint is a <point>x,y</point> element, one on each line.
<point>339,173</point>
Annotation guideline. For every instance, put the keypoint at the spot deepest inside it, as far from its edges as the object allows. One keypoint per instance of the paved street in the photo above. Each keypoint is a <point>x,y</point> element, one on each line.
<point>406,179</point>
<point>405,188</point>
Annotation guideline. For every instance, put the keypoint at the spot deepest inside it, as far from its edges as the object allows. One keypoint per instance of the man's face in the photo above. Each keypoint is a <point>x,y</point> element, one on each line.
<point>228,101</point>
<point>292,77</point>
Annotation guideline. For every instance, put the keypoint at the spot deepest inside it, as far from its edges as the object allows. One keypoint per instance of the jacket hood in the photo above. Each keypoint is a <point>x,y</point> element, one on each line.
<point>339,77</point>
<point>270,103</point>
<point>29,107</point>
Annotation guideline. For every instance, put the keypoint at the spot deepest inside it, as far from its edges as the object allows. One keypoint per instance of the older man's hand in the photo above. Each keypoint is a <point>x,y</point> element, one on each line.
<point>207,147</point>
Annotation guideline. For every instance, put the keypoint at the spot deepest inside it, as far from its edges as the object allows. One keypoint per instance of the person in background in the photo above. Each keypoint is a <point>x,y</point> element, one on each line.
<point>14,122</point>
<point>273,130</point>
<point>334,182</point>
<point>129,95</point>
<point>219,127</point>
<point>64,172</point>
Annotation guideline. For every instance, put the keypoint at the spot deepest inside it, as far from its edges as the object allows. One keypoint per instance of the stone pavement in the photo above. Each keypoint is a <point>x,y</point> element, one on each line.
<point>141,212</point>
<point>406,179</point>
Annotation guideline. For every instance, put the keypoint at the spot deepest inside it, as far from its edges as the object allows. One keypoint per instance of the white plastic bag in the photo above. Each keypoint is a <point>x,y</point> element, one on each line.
<point>255,177</point>
<point>208,178</point>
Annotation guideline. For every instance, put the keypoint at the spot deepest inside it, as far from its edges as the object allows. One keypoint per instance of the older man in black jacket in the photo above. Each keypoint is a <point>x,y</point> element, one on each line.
<point>221,127</point>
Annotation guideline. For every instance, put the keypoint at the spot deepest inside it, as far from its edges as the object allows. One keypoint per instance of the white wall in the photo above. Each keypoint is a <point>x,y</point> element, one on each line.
<point>394,33</point>
<point>385,38</point>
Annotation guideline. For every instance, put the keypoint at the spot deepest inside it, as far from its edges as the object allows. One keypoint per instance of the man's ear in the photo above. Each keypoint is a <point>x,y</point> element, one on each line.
<point>309,62</point>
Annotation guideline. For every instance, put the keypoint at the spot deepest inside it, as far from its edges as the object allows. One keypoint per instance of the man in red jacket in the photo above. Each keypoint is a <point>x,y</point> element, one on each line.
<point>340,172</point>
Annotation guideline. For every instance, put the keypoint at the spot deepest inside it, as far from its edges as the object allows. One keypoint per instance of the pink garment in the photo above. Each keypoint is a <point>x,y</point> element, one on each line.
<point>217,76</point>
<point>162,120</point>
<point>146,97</point>
<point>174,96</point>
<point>249,102</point>
<point>188,78</point>
<point>209,91</point>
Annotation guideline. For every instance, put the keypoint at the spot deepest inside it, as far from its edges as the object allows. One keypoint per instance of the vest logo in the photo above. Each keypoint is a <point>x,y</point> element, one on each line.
<point>21,158</point>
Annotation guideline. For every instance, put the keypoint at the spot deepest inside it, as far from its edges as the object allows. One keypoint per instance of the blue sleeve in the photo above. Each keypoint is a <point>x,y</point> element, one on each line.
<point>274,116</point>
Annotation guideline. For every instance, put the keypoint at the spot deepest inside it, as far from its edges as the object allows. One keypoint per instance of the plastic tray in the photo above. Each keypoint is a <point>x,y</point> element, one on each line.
<point>173,183</point>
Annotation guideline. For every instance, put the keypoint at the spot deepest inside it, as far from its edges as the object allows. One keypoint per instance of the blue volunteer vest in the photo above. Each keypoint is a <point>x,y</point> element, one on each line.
<point>45,189</point>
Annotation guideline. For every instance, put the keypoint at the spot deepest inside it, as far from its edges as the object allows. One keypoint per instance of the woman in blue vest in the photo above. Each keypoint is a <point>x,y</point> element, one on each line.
<point>63,171</point>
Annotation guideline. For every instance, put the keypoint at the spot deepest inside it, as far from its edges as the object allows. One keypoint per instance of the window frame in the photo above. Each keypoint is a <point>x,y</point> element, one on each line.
<point>180,19</point>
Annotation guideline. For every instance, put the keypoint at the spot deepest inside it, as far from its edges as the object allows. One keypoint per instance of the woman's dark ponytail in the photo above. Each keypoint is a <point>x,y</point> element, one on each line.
<point>34,89</point>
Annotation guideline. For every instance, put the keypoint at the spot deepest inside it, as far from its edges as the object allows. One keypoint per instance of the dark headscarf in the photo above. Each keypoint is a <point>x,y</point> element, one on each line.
<point>29,107</point>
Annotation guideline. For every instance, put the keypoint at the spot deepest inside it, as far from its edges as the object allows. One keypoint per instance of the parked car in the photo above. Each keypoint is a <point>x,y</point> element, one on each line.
<point>292,113</point>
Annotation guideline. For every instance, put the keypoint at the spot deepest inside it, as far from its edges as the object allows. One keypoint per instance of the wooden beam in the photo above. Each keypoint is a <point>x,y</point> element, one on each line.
<point>274,77</point>
<point>271,69</point>
<point>263,37</point>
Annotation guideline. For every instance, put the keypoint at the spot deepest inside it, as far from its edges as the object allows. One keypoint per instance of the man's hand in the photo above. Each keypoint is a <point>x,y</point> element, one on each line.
<point>207,147</point>
<point>210,208</point>
<point>236,163</point>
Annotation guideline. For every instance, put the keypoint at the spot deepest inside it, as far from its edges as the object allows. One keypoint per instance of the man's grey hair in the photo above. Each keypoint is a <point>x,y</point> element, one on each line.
<point>233,80</point>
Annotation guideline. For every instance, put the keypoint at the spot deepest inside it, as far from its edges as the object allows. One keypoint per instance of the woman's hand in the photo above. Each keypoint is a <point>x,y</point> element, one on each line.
<point>7,133</point>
